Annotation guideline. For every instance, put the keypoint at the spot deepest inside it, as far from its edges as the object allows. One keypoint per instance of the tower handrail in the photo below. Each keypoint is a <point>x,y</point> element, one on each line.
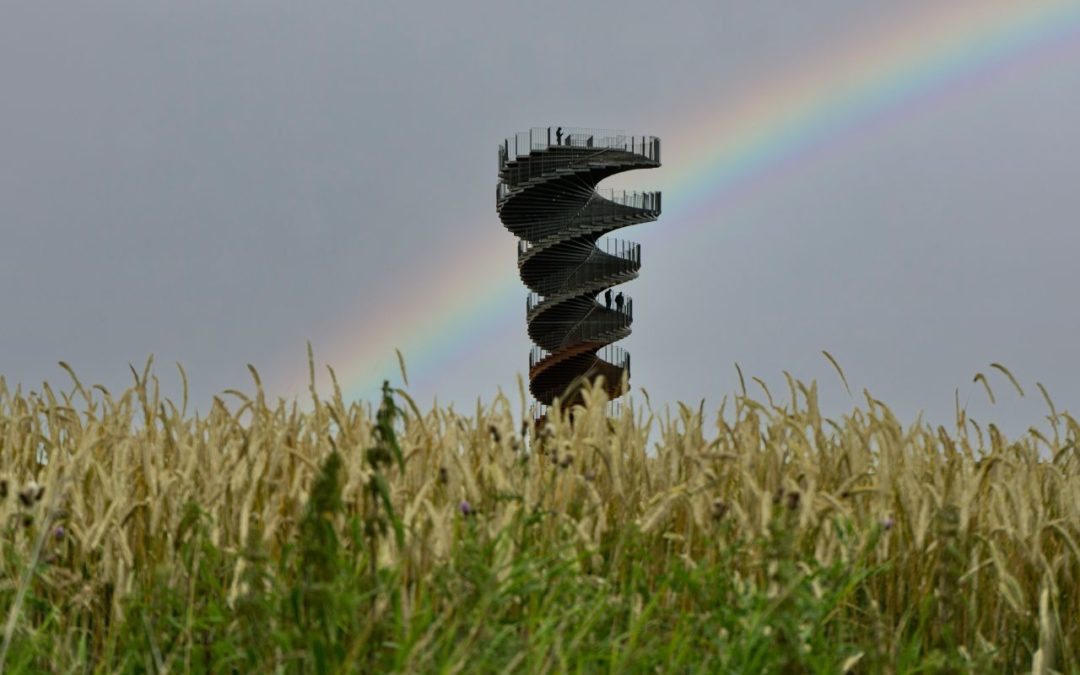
<point>616,356</point>
<point>601,203</point>
<point>539,164</point>
<point>647,201</point>
<point>536,355</point>
<point>535,139</point>
<point>627,251</point>
<point>534,299</point>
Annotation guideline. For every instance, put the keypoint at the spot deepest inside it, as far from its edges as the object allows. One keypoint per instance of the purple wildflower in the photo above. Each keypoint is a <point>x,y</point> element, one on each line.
<point>465,507</point>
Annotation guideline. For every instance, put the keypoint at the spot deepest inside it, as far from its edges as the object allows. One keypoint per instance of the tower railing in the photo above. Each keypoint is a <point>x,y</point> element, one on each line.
<point>523,143</point>
<point>592,217</point>
<point>612,409</point>
<point>598,323</point>
<point>616,356</point>
<point>620,248</point>
<point>533,300</point>
<point>536,355</point>
<point>622,257</point>
<point>647,201</point>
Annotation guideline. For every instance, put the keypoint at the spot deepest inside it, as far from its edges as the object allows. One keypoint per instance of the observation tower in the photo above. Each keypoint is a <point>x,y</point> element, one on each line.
<point>547,197</point>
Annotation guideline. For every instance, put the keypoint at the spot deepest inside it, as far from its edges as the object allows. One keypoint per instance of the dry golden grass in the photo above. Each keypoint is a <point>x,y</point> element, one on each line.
<point>987,527</point>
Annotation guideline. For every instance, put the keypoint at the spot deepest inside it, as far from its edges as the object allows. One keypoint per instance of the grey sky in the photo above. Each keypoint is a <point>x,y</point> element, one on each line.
<point>218,182</point>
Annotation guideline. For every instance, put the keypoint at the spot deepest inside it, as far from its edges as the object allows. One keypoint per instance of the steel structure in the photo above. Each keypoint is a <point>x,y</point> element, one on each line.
<point>547,196</point>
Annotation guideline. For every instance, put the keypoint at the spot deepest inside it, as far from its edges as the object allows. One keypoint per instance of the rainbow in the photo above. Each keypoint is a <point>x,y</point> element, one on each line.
<point>737,146</point>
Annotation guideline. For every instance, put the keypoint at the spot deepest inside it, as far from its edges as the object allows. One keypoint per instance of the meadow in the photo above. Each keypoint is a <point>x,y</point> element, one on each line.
<point>329,536</point>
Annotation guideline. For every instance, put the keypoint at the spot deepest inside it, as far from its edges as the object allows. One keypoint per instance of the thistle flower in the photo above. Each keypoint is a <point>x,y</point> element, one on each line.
<point>466,508</point>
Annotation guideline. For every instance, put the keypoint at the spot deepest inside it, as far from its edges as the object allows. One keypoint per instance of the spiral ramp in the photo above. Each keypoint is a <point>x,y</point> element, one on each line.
<point>547,197</point>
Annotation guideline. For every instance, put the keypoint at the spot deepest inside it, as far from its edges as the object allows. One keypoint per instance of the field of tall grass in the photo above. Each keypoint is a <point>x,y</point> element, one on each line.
<point>339,536</point>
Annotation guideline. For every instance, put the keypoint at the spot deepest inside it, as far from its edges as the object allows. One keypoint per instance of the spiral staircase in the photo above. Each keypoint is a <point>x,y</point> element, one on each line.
<point>547,197</point>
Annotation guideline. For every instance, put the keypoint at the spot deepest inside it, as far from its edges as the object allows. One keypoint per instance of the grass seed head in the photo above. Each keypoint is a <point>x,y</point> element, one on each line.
<point>261,464</point>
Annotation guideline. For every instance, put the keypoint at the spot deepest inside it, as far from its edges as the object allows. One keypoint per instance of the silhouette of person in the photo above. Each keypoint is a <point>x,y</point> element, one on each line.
<point>607,298</point>
<point>619,302</point>
<point>558,136</point>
